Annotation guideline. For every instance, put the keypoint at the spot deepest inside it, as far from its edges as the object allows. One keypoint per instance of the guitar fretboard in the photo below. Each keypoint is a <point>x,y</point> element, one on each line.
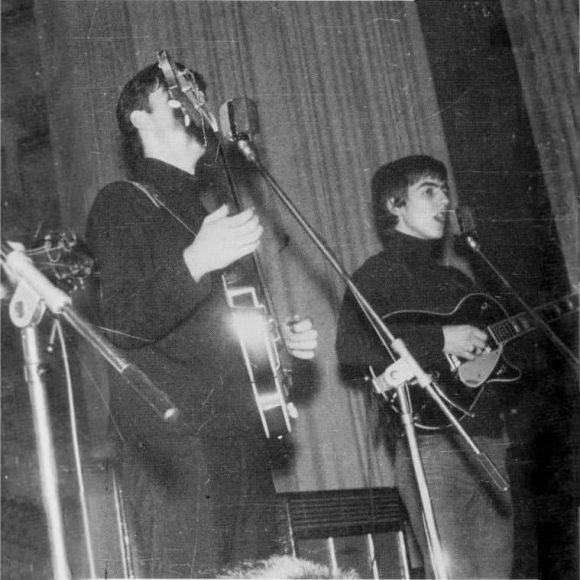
<point>520,323</point>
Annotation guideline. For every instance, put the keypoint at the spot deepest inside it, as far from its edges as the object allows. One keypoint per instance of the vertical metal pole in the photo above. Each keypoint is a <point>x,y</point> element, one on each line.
<point>34,373</point>
<point>122,528</point>
<point>437,560</point>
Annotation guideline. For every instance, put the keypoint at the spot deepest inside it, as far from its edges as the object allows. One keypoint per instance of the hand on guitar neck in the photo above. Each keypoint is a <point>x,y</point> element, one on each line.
<point>300,337</point>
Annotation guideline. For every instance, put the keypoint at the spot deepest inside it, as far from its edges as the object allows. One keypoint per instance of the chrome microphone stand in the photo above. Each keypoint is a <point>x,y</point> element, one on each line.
<point>404,370</point>
<point>398,376</point>
<point>403,365</point>
<point>26,312</point>
<point>33,295</point>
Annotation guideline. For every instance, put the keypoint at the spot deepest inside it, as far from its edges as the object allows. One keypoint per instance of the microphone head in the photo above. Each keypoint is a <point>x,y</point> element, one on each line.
<point>467,228</point>
<point>238,119</point>
<point>465,220</point>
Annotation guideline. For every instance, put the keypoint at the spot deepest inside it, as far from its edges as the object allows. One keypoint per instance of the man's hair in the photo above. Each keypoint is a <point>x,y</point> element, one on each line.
<point>392,181</point>
<point>285,567</point>
<point>135,97</point>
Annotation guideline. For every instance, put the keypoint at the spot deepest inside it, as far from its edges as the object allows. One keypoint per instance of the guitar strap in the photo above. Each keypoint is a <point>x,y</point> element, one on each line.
<point>153,196</point>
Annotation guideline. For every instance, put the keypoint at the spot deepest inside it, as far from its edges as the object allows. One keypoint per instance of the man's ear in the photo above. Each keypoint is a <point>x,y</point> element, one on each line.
<point>139,119</point>
<point>394,205</point>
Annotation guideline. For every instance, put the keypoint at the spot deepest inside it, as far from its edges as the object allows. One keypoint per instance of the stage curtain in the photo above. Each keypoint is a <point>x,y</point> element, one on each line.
<point>341,87</point>
<point>544,39</point>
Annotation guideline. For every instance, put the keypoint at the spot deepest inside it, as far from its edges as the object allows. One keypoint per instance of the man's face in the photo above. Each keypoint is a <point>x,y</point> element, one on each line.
<point>168,122</point>
<point>425,212</point>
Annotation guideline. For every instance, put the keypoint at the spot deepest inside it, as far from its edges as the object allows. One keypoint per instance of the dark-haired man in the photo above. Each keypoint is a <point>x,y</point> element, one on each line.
<point>410,204</point>
<point>200,491</point>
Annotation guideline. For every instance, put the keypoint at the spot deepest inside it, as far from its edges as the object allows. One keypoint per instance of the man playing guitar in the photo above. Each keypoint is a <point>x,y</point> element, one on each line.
<point>200,491</point>
<point>411,205</point>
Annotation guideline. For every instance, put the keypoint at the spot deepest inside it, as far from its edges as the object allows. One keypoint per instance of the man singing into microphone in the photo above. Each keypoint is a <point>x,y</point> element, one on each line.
<point>411,205</point>
<point>200,490</point>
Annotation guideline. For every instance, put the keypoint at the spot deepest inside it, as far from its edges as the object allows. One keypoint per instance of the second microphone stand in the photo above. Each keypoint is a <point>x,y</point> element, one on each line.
<point>397,376</point>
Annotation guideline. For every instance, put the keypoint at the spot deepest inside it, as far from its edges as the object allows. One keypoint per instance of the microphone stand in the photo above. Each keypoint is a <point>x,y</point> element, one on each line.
<point>26,312</point>
<point>573,360</point>
<point>59,303</point>
<point>397,376</point>
<point>32,295</point>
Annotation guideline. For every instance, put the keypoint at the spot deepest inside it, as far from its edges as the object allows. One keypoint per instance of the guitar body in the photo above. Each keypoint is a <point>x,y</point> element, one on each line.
<point>490,367</point>
<point>462,382</point>
<point>256,333</point>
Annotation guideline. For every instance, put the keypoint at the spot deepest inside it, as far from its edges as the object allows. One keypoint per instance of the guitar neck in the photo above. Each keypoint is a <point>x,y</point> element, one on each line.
<point>521,323</point>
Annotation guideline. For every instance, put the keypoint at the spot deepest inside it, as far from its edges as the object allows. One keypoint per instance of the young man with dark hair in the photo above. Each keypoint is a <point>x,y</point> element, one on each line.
<point>200,490</point>
<point>411,206</point>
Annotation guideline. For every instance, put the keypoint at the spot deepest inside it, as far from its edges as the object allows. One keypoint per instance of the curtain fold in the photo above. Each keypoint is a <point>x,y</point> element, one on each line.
<point>544,38</point>
<point>341,87</point>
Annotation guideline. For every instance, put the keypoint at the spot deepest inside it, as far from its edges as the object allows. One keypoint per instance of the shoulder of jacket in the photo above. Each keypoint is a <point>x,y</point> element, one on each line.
<point>125,194</point>
<point>379,260</point>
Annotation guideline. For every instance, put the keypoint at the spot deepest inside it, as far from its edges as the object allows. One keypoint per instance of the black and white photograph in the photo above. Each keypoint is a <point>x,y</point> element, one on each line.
<point>289,289</point>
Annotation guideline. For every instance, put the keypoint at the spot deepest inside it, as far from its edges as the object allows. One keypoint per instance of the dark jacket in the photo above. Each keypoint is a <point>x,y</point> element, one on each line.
<point>176,330</point>
<point>406,275</point>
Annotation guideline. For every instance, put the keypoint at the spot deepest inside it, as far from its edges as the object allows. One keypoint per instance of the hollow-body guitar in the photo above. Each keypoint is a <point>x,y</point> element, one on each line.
<point>461,382</point>
<point>253,316</point>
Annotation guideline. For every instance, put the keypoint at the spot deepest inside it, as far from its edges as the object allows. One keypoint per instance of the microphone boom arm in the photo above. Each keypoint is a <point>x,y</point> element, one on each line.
<point>21,268</point>
<point>572,359</point>
<point>411,369</point>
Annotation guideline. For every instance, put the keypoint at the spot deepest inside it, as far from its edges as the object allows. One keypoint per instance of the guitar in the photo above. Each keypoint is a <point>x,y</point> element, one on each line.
<point>462,382</point>
<point>251,307</point>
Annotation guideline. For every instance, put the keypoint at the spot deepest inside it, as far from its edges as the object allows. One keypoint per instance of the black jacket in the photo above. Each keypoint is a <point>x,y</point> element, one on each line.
<point>176,330</point>
<point>407,275</point>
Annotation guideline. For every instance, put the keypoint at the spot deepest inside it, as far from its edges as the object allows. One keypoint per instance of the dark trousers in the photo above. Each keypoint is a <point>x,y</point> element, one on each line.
<point>474,520</point>
<point>215,507</point>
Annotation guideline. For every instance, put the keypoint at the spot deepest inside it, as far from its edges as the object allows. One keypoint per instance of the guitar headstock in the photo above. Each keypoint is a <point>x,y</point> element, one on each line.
<point>64,259</point>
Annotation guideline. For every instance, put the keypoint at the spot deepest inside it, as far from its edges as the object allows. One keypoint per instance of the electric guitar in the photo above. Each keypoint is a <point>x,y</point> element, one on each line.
<point>462,382</point>
<point>247,296</point>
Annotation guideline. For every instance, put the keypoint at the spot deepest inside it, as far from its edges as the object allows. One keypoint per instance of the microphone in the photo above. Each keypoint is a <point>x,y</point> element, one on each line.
<point>238,119</point>
<point>466,222</point>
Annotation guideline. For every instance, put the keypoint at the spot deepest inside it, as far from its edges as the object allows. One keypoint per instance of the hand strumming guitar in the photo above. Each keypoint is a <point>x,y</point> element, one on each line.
<point>464,341</point>
<point>222,240</point>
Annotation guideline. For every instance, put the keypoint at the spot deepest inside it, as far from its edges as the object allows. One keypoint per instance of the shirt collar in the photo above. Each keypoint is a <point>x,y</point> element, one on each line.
<point>413,248</point>
<point>170,180</point>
